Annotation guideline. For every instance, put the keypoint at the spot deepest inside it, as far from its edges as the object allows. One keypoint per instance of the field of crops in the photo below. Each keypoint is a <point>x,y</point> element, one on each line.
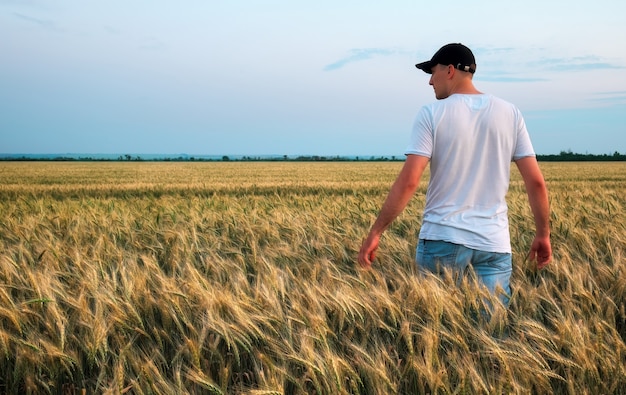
<point>241,278</point>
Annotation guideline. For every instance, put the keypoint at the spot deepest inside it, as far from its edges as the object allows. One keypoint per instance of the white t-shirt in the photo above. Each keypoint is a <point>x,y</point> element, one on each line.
<point>471,140</point>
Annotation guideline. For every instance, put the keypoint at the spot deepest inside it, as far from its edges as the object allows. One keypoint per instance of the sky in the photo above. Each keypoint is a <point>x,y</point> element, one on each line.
<point>290,77</point>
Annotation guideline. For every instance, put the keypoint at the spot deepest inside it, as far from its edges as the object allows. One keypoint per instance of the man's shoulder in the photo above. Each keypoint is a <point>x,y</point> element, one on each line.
<point>500,100</point>
<point>482,100</point>
<point>463,99</point>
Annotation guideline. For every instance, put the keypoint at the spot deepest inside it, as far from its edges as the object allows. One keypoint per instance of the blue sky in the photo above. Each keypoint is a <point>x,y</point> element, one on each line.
<point>288,77</point>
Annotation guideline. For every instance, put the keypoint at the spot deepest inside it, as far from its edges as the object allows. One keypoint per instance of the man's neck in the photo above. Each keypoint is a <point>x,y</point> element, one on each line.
<point>465,87</point>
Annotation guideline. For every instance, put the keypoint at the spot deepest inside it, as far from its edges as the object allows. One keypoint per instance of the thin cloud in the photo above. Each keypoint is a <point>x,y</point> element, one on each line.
<point>620,93</point>
<point>151,44</point>
<point>587,66</point>
<point>579,63</point>
<point>613,98</point>
<point>531,65</point>
<point>506,78</point>
<point>112,30</point>
<point>486,51</point>
<point>17,2</point>
<point>361,54</point>
<point>43,23</point>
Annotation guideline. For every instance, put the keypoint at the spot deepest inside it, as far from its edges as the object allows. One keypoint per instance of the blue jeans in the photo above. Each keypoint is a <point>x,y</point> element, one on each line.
<point>493,269</point>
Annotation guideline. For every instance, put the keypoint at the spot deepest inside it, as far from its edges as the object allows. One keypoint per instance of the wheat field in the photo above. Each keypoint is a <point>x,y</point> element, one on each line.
<point>241,278</point>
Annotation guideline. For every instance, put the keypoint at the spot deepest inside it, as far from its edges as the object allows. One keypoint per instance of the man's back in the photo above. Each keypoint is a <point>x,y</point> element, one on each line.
<point>470,140</point>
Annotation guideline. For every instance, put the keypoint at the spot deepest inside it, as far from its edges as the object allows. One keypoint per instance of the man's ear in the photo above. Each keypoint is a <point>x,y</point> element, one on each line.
<point>451,71</point>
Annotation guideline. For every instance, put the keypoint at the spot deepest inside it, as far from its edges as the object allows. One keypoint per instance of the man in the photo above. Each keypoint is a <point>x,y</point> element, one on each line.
<point>470,139</point>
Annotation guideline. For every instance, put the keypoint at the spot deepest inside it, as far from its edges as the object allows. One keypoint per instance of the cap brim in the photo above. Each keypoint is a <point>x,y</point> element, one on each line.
<point>425,66</point>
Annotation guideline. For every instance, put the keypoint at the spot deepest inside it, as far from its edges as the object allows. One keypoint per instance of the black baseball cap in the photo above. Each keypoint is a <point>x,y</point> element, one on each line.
<point>455,54</point>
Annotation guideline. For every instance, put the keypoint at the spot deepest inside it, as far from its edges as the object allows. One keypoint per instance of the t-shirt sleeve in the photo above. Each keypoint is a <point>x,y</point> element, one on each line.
<point>421,142</point>
<point>523,146</point>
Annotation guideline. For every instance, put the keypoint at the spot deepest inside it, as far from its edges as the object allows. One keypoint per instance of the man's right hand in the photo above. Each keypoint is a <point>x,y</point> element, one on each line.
<point>368,251</point>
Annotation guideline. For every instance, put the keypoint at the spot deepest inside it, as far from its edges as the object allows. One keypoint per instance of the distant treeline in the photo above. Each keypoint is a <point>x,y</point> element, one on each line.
<point>563,156</point>
<point>569,156</point>
<point>188,158</point>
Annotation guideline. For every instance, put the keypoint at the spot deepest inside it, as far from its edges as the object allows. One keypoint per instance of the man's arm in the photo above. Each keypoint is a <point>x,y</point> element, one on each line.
<point>541,249</point>
<point>401,192</point>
